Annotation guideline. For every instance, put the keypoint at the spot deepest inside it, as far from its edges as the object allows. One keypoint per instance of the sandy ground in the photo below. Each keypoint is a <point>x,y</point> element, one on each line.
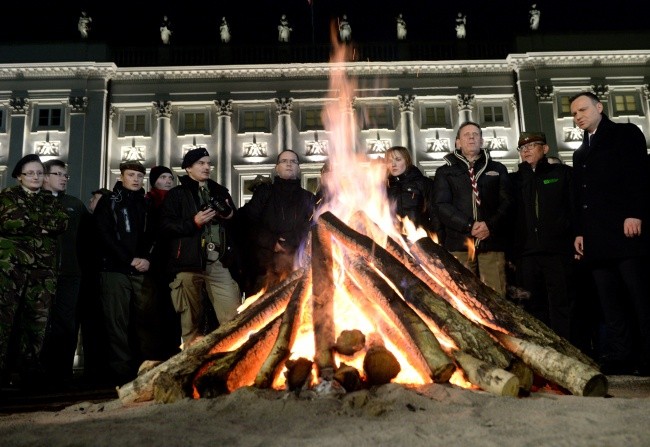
<point>391,415</point>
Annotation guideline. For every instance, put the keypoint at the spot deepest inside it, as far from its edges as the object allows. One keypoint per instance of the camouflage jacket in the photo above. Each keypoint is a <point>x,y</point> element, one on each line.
<point>29,226</point>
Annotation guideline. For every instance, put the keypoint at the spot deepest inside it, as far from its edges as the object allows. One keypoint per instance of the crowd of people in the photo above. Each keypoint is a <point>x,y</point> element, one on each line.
<point>143,275</point>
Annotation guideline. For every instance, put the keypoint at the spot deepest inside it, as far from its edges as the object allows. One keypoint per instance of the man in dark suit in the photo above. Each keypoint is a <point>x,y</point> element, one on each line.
<point>609,179</point>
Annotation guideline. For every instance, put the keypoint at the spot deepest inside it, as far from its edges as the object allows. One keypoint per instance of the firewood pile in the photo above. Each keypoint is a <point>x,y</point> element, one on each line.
<point>429,314</point>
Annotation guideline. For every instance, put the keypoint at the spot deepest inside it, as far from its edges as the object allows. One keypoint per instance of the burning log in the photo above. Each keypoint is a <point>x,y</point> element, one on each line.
<point>468,336</point>
<point>282,347</point>
<point>185,363</point>
<point>439,365</point>
<point>505,314</point>
<point>349,377</point>
<point>450,279</point>
<point>229,371</point>
<point>577,377</point>
<point>323,301</point>
<point>488,377</point>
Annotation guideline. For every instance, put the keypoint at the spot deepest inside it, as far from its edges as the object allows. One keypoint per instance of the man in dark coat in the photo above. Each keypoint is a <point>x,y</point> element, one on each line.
<point>610,180</point>
<point>544,232</point>
<point>196,218</point>
<point>472,196</point>
<point>126,287</point>
<point>279,216</point>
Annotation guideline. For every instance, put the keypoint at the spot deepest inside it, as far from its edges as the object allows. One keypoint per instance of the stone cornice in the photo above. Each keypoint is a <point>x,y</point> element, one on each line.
<point>578,58</point>
<point>320,70</point>
<point>80,70</point>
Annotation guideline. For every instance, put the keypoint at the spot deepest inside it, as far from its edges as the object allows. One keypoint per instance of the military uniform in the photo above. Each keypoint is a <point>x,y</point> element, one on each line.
<point>29,226</point>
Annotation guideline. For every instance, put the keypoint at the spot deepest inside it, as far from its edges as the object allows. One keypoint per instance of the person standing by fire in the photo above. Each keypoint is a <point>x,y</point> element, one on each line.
<point>543,233</point>
<point>409,190</point>
<point>611,187</point>
<point>196,218</point>
<point>472,196</point>
<point>30,221</point>
<point>278,217</point>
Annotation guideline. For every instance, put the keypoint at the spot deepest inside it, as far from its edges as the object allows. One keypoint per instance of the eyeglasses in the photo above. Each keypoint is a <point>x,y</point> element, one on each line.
<point>59,174</point>
<point>32,174</point>
<point>287,161</point>
<point>529,146</point>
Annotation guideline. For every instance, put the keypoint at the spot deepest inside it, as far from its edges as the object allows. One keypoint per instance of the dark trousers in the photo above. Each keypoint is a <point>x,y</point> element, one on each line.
<point>61,335</point>
<point>624,294</point>
<point>550,280</point>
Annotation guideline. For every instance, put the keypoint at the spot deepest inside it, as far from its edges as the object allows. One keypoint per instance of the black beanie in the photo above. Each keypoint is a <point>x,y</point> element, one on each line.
<point>22,162</point>
<point>156,172</point>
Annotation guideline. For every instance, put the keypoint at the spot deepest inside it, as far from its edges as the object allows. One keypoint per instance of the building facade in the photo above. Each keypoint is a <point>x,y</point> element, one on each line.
<point>94,115</point>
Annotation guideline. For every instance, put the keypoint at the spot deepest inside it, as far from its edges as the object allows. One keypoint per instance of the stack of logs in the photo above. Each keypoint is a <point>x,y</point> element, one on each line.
<point>422,293</point>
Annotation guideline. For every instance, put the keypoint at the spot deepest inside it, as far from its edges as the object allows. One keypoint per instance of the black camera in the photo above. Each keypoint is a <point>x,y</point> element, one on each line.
<point>219,205</point>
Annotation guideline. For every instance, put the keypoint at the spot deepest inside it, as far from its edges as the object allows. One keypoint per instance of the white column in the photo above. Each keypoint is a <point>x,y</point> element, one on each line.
<point>224,143</point>
<point>284,122</point>
<point>163,110</point>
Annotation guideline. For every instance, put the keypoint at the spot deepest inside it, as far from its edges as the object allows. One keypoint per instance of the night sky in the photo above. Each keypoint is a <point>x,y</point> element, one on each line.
<point>256,20</point>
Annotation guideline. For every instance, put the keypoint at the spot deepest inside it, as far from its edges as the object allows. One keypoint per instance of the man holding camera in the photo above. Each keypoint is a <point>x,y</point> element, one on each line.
<point>196,217</point>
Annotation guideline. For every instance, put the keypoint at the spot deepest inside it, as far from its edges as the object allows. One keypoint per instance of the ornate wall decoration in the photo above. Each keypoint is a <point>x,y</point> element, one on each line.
<point>544,92</point>
<point>255,149</point>
<point>19,106</point>
<point>406,103</point>
<point>572,133</point>
<point>78,104</point>
<point>224,107</point>
<point>465,101</point>
<point>284,105</point>
<point>163,109</point>
<point>438,145</point>
<point>601,91</point>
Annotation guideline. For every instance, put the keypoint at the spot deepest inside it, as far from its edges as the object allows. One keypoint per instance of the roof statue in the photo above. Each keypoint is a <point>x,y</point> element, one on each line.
<point>345,30</point>
<point>84,24</point>
<point>224,31</point>
<point>284,30</point>
<point>401,28</point>
<point>461,21</point>
<point>165,31</point>
<point>534,17</point>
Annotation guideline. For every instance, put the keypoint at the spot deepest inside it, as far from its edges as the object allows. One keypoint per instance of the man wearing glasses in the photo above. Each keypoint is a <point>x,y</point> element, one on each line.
<point>61,337</point>
<point>543,236</point>
<point>30,221</point>
<point>277,217</point>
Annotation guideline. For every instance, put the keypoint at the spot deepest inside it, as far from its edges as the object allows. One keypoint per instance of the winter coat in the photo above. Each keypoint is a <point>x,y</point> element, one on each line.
<point>543,209</point>
<point>123,230</point>
<point>610,181</point>
<point>412,194</point>
<point>453,198</point>
<point>186,249</point>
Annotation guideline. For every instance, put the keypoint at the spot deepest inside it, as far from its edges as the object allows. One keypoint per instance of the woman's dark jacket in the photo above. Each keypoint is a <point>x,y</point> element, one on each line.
<point>412,194</point>
<point>186,250</point>
<point>543,199</point>
<point>123,229</point>
<point>453,198</point>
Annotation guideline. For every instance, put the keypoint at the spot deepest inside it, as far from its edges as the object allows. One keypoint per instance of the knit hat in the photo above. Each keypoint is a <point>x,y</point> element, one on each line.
<point>194,155</point>
<point>22,162</point>
<point>132,165</point>
<point>531,137</point>
<point>157,171</point>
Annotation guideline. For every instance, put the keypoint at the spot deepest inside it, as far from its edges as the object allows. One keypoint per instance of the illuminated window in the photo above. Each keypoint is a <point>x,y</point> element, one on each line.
<point>312,120</point>
<point>194,123</point>
<point>626,104</point>
<point>377,117</point>
<point>493,115</point>
<point>134,124</point>
<point>254,121</point>
<point>563,107</point>
<point>434,117</point>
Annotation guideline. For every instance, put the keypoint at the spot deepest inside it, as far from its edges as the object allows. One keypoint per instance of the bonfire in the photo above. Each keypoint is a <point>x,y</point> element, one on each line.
<point>372,301</point>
